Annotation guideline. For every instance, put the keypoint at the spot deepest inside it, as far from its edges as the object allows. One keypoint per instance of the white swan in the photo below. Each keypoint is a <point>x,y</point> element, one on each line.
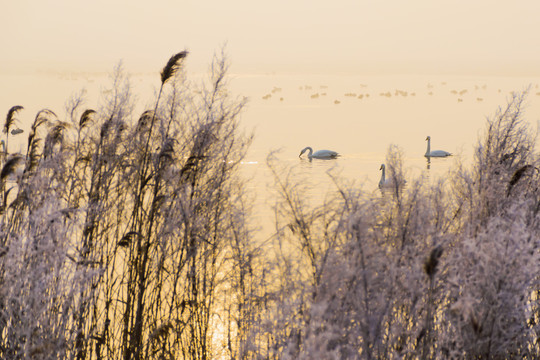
<point>384,182</point>
<point>319,154</point>
<point>434,153</point>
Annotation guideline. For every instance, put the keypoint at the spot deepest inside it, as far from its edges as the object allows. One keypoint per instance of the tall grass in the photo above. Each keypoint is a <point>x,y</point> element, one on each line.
<point>128,236</point>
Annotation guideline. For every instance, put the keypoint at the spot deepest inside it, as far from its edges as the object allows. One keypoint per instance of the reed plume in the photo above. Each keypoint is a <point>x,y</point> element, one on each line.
<point>55,136</point>
<point>10,166</point>
<point>168,71</point>
<point>127,239</point>
<point>517,176</point>
<point>172,66</point>
<point>10,118</point>
<point>144,120</point>
<point>167,151</point>
<point>42,118</point>
<point>86,117</point>
<point>33,154</point>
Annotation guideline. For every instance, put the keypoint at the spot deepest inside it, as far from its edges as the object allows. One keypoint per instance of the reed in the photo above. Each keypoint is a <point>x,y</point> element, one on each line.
<point>10,118</point>
<point>133,241</point>
<point>386,289</point>
<point>173,65</point>
<point>10,121</point>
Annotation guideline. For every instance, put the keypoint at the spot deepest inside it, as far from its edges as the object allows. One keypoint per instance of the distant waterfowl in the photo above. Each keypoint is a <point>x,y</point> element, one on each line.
<point>435,153</point>
<point>320,154</point>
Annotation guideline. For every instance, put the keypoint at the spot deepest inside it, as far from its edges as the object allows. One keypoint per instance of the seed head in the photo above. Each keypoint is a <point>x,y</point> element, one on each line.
<point>172,66</point>
<point>10,118</point>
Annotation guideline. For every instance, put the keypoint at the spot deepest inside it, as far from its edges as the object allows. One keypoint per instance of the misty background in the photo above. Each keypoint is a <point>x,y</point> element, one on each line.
<point>418,36</point>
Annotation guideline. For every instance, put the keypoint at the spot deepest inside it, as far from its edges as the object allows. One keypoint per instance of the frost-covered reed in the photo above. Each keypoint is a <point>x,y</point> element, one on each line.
<point>128,236</point>
<point>429,271</point>
<point>121,238</point>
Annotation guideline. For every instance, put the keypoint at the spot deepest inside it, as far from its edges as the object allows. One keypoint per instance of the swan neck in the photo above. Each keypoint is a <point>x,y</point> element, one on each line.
<point>428,146</point>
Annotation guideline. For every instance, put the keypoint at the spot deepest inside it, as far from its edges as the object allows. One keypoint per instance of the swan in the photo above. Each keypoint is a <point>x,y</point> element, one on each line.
<point>319,154</point>
<point>434,153</point>
<point>384,182</point>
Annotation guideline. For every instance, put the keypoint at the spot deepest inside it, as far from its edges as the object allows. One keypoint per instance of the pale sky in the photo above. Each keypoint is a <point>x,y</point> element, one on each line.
<point>361,36</point>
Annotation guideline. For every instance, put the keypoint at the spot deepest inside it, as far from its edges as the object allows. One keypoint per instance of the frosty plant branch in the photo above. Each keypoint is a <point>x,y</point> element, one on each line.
<point>10,121</point>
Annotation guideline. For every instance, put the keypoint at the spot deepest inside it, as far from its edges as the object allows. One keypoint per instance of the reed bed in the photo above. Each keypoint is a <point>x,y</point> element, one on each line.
<point>129,237</point>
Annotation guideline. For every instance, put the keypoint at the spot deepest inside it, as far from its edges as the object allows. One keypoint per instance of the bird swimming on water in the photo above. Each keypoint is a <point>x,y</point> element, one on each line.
<point>384,182</point>
<point>319,154</point>
<point>434,153</point>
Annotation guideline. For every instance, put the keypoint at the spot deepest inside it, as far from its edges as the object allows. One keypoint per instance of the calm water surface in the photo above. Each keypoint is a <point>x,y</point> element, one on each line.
<point>361,116</point>
<point>357,116</point>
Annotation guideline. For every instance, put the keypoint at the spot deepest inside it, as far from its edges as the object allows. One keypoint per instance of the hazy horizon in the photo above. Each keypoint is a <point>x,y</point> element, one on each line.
<point>419,36</point>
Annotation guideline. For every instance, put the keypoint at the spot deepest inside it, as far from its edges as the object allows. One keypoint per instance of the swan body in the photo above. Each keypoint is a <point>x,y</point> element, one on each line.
<point>384,182</point>
<point>389,183</point>
<point>319,154</point>
<point>435,153</point>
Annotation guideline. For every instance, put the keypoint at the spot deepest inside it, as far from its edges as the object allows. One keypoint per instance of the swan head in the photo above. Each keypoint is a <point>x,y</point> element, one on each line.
<point>428,138</point>
<point>304,150</point>
<point>382,167</point>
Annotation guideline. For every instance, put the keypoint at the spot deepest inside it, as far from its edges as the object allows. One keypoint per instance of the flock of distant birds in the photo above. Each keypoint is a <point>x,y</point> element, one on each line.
<point>384,182</point>
<point>387,94</point>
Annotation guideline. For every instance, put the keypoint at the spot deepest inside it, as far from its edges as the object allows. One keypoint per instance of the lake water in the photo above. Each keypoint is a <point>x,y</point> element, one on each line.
<point>357,116</point>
